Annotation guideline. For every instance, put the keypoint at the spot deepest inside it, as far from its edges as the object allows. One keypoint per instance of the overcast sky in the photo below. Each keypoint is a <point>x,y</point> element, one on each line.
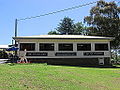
<point>12,9</point>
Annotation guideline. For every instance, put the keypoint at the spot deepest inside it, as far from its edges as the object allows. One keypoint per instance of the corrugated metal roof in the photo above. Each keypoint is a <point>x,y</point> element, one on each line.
<point>61,37</point>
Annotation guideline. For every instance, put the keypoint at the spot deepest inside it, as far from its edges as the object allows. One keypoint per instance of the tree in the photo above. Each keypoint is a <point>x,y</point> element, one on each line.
<point>66,26</point>
<point>53,33</point>
<point>80,29</point>
<point>104,20</point>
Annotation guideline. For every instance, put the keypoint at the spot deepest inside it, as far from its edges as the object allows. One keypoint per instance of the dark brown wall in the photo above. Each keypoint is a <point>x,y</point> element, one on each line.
<point>71,61</point>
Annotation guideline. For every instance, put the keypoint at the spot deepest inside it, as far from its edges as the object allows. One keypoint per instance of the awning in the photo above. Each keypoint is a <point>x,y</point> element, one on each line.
<point>12,49</point>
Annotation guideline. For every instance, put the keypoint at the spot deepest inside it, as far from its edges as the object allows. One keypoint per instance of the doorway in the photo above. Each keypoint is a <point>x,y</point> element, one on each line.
<point>101,61</point>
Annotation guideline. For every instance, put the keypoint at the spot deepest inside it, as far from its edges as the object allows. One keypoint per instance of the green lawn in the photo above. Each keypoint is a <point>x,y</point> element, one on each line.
<point>48,77</point>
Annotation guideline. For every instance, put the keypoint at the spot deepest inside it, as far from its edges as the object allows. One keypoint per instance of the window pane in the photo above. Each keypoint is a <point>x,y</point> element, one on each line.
<point>27,46</point>
<point>46,46</point>
<point>83,47</point>
<point>101,47</point>
<point>65,47</point>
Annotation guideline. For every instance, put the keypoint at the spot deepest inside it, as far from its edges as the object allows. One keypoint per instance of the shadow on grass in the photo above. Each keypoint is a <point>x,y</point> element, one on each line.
<point>45,64</point>
<point>110,66</point>
<point>13,64</point>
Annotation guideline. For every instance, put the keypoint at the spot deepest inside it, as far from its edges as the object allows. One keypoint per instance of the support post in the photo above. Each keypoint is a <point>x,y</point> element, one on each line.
<point>16,21</point>
<point>15,27</point>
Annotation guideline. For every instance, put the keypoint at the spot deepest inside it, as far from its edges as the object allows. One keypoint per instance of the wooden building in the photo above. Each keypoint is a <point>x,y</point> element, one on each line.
<point>66,49</point>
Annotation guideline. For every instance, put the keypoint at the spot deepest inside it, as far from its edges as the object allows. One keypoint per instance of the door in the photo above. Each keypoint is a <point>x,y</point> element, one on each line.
<point>101,61</point>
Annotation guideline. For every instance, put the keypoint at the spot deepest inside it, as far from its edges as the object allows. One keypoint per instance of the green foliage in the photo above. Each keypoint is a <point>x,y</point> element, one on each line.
<point>53,33</point>
<point>67,26</point>
<point>80,29</point>
<point>3,55</point>
<point>104,20</point>
<point>47,77</point>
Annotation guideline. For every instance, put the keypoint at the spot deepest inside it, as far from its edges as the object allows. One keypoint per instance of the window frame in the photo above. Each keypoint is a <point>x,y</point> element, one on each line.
<point>47,43</point>
<point>101,49</point>
<point>83,44</point>
<point>64,44</point>
<point>27,43</point>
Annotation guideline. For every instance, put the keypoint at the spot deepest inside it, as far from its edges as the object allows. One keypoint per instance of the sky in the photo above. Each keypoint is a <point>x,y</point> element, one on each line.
<point>19,9</point>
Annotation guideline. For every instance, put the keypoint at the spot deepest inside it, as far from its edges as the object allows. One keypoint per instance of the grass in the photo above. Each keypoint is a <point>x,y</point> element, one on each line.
<point>48,77</point>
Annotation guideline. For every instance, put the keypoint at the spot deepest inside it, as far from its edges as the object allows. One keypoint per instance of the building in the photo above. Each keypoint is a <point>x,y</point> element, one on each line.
<point>66,49</point>
<point>4,46</point>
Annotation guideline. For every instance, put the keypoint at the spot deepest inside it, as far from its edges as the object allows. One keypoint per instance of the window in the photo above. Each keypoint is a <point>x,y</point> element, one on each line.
<point>27,46</point>
<point>84,47</point>
<point>46,46</point>
<point>65,47</point>
<point>101,47</point>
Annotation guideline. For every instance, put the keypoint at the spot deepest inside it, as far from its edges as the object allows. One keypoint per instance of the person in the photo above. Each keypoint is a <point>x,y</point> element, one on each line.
<point>23,58</point>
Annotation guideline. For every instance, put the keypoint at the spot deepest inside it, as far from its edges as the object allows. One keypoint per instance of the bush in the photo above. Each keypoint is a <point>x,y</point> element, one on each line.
<point>3,55</point>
